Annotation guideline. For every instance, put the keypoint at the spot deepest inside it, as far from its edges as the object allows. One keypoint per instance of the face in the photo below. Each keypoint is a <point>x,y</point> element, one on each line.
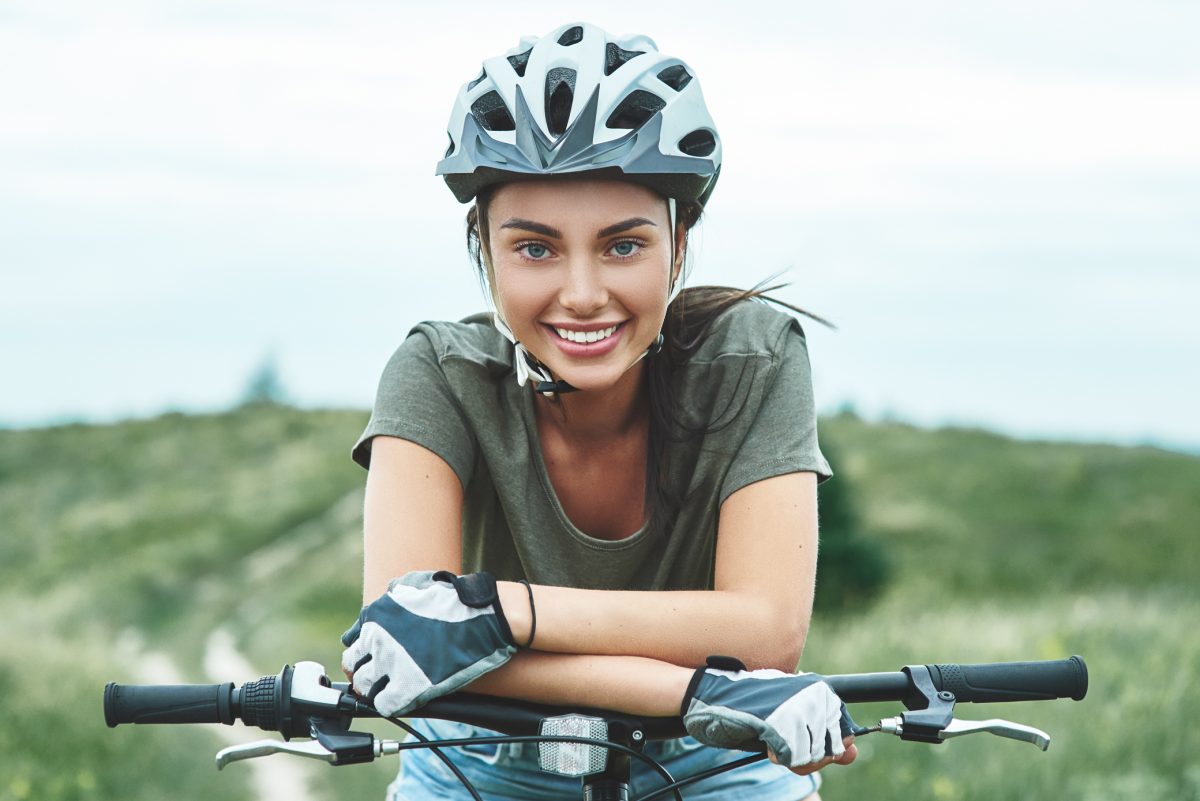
<point>581,272</point>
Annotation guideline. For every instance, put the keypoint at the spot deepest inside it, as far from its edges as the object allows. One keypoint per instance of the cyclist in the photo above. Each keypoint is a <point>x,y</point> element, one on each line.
<point>623,471</point>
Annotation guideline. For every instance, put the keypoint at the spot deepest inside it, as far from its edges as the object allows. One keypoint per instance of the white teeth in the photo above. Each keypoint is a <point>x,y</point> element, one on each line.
<point>585,337</point>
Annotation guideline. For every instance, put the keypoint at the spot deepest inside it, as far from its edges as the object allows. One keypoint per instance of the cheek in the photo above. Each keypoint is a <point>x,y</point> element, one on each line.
<point>520,295</point>
<point>643,289</point>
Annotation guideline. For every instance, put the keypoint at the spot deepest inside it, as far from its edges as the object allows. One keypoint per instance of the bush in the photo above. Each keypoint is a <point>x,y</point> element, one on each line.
<point>851,569</point>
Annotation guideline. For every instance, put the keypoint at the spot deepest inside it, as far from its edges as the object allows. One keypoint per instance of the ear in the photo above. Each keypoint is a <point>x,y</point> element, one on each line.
<point>680,253</point>
<point>485,255</point>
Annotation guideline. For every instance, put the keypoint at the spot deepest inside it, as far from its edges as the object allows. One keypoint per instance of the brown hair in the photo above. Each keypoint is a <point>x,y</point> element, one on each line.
<point>688,320</point>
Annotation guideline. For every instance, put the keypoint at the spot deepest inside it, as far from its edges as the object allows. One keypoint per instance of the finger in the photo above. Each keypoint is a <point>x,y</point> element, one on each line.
<point>352,657</point>
<point>811,767</point>
<point>849,755</point>
<point>351,634</point>
<point>366,674</point>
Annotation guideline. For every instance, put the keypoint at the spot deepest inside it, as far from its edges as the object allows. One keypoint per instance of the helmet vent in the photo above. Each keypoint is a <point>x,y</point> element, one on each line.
<point>477,81</point>
<point>676,77</point>
<point>519,62</point>
<point>491,113</point>
<point>700,142</point>
<point>560,93</point>
<point>637,107</point>
<point>614,57</point>
<point>571,36</point>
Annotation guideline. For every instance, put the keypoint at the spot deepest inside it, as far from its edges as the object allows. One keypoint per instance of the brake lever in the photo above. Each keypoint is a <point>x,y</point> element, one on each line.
<point>259,748</point>
<point>310,749</point>
<point>961,728</point>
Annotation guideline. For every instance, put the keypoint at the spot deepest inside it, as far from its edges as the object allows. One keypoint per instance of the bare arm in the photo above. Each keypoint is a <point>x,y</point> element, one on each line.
<point>759,610</point>
<point>631,684</point>
<point>765,568</point>
<point>412,515</point>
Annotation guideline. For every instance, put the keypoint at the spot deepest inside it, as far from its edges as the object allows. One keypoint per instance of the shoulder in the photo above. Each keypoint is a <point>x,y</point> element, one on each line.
<point>472,343</point>
<point>749,329</point>
<point>753,357</point>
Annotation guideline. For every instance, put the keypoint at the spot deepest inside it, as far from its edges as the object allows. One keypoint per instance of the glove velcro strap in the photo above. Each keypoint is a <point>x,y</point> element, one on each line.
<point>716,662</point>
<point>478,591</point>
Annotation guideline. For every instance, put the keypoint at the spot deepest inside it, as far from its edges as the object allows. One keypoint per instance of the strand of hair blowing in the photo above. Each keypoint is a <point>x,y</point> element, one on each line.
<point>688,320</point>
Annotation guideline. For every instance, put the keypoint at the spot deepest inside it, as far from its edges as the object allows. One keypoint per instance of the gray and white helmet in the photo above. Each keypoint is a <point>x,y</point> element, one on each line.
<point>580,100</point>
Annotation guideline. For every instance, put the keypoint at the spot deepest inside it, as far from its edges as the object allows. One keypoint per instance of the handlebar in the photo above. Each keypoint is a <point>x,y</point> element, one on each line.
<point>284,702</point>
<point>596,744</point>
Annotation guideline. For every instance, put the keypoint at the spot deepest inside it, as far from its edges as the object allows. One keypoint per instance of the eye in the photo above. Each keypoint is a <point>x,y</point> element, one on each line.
<point>626,248</point>
<point>534,251</point>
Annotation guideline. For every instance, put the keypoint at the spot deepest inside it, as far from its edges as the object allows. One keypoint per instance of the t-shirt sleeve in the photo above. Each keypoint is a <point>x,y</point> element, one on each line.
<point>416,402</point>
<point>783,436</point>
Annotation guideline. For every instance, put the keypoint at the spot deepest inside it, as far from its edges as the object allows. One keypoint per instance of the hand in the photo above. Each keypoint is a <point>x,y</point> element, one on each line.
<point>848,755</point>
<point>427,636</point>
<point>797,716</point>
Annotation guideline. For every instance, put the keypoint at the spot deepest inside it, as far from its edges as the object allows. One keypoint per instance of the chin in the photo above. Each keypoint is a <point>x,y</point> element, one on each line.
<point>591,380</point>
<point>591,383</point>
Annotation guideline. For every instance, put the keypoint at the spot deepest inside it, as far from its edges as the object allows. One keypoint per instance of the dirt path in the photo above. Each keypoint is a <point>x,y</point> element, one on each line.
<point>279,777</point>
<point>274,778</point>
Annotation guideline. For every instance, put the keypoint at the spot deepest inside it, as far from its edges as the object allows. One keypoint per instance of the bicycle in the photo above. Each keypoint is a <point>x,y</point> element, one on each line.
<point>595,745</point>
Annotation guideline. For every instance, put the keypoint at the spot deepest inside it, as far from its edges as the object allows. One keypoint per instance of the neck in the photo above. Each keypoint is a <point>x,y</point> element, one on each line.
<point>591,415</point>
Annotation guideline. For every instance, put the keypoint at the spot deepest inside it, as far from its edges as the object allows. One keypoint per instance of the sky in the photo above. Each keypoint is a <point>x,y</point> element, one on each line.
<point>998,203</point>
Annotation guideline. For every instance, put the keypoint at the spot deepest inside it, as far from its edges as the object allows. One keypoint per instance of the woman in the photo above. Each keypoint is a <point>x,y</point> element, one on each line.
<point>643,494</point>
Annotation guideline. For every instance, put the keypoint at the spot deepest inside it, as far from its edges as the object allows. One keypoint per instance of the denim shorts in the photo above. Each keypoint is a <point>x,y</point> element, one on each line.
<point>509,772</point>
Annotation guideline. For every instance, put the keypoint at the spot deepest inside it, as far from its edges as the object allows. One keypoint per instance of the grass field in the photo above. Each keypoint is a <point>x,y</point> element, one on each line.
<point>123,547</point>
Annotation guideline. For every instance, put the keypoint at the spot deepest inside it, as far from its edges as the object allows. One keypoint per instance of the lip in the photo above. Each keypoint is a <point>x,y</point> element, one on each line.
<point>585,327</point>
<point>588,349</point>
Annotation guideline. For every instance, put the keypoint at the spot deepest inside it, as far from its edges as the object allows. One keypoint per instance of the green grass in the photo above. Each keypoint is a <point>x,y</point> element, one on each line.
<point>1135,730</point>
<point>250,520</point>
<point>999,516</point>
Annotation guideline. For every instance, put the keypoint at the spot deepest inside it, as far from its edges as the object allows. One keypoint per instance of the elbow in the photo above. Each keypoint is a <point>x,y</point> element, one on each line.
<point>780,640</point>
<point>789,645</point>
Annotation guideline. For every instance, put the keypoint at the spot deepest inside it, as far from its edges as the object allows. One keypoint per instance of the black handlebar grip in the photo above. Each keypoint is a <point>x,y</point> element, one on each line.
<point>168,703</point>
<point>1014,681</point>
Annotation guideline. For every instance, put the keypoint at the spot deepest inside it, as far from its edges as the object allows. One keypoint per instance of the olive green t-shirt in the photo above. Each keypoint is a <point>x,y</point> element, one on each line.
<point>450,388</point>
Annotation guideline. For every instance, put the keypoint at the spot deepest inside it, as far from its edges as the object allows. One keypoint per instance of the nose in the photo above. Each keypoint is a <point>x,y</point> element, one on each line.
<point>583,292</point>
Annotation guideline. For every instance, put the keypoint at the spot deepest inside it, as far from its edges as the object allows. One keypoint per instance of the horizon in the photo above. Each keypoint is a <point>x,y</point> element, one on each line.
<point>883,419</point>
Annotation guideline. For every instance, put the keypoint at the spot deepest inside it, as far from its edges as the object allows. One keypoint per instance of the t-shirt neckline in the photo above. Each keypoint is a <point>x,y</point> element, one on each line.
<point>529,418</point>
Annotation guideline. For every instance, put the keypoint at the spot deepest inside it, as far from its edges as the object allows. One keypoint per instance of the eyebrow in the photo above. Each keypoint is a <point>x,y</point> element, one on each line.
<point>535,227</point>
<point>625,225</point>
<point>554,233</point>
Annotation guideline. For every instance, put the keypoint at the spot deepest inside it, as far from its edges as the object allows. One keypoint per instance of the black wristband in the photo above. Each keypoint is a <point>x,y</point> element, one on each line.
<point>532,614</point>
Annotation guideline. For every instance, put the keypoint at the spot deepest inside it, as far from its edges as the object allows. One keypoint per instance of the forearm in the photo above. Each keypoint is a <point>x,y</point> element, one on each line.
<point>765,573</point>
<point>630,684</point>
<point>682,628</point>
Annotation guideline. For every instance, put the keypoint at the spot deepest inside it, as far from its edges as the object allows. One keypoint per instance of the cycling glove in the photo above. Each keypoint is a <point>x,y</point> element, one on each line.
<point>428,635</point>
<point>797,716</point>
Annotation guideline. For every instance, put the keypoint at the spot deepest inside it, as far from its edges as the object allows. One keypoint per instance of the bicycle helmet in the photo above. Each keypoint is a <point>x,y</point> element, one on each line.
<point>580,100</point>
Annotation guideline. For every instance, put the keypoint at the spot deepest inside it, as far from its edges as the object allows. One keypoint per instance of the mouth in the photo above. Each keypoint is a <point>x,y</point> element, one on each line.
<point>586,341</point>
<point>585,337</point>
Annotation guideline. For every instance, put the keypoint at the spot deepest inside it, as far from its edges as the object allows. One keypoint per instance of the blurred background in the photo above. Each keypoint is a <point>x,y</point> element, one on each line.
<point>218,219</point>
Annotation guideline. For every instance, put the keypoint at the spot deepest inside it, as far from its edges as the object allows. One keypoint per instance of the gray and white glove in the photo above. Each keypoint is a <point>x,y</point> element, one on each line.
<point>427,636</point>
<point>799,718</point>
